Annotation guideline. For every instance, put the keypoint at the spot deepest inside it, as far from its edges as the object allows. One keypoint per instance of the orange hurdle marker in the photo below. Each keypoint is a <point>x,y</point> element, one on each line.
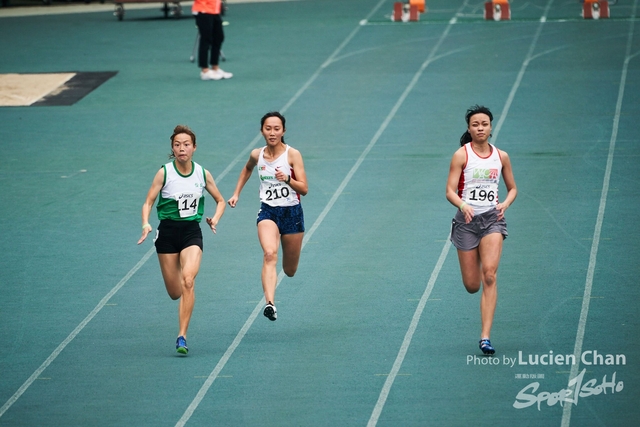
<point>497,10</point>
<point>419,4</point>
<point>595,9</point>
<point>407,11</point>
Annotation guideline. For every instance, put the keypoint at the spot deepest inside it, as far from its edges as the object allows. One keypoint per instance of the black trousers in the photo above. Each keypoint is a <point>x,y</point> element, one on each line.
<point>211,38</point>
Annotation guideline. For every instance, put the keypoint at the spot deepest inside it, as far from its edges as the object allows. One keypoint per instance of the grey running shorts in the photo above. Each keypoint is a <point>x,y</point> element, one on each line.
<point>467,236</point>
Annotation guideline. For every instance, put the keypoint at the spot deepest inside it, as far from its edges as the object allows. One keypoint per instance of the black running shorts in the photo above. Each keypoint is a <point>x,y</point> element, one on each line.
<point>174,236</point>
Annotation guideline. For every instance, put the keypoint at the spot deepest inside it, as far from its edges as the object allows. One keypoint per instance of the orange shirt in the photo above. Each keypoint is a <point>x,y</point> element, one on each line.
<point>211,7</point>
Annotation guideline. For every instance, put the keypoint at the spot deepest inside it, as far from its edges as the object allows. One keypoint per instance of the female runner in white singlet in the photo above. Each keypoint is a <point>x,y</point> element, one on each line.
<point>280,218</point>
<point>479,227</point>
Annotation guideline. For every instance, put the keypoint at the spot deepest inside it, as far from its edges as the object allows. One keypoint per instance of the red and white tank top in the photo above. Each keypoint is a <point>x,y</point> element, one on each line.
<point>479,180</point>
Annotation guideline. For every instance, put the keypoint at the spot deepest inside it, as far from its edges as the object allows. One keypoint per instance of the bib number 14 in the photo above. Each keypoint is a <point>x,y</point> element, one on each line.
<point>187,204</point>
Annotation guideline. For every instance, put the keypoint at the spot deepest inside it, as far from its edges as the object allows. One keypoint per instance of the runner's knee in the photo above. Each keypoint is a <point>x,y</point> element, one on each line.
<point>270,256</point>
<point>174,294</point>
<point>490,278</point>
<point>471,287</point>
<point>188,282</point>
<point>290,271</point>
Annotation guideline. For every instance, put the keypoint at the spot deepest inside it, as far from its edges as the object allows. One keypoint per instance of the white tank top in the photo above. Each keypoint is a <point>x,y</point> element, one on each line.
<point>478,184</point>
<point>181,197</point>
<point>272,191</point>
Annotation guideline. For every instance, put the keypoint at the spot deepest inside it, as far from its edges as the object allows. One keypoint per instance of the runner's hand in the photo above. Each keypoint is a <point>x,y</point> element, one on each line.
<point>468,213</point>
<point>145,233</point>
<point>212,224</point>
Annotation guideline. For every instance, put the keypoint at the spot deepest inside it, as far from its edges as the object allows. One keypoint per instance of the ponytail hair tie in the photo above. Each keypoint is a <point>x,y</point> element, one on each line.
<point>465,138</point>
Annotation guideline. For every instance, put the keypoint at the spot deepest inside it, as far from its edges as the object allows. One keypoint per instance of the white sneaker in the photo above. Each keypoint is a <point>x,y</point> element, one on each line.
<point>210,75</point>
<point>222,74</point>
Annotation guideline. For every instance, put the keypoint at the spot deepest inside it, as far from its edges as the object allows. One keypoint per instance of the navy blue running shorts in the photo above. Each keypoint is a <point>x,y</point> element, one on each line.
<point>289,219</point>
<point>467,236</point>
<point>174,236</point>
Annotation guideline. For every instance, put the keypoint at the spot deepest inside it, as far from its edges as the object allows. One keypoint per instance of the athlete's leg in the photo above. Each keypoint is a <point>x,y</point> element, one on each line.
<point>291,247</point>
<point>490,250</point>
<point>171,273</point>
<point>470,269</point>
<point>190,258</point>
<point>269,237</point>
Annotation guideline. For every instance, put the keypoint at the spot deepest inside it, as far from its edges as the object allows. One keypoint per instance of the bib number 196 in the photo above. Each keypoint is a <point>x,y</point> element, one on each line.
<point>482,195</point>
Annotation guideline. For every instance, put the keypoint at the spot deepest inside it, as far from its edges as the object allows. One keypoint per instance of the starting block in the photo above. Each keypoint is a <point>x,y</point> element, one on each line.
<point>595,9</point>
<point>497,10</point>
<point>407,11</point>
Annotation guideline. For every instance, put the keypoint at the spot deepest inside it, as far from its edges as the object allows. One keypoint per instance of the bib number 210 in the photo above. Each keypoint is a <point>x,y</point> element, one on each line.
<point>277,193</point>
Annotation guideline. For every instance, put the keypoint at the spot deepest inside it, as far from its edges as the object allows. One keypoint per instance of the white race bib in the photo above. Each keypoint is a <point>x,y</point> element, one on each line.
<point>187,204</point>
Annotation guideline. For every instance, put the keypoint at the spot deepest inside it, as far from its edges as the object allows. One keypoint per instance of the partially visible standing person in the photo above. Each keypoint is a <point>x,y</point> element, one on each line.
<point>280,218</point>
<point>208,15</point>
<point>479,226</point>
<point>179,188</point>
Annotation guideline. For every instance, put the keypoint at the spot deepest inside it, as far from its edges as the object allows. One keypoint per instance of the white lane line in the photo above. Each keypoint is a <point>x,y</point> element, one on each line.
<point>523,69</point>
<point>386,388</point>
<point>586,298</point>
<point>73,334</point>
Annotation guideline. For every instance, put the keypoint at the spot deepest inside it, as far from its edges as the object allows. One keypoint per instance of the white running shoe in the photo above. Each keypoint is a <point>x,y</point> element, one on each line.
<point>209,75</point>
<point>221,74</point>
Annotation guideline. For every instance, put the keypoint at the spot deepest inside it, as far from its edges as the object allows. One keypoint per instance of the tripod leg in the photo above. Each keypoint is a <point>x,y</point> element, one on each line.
<point>195,47</point>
